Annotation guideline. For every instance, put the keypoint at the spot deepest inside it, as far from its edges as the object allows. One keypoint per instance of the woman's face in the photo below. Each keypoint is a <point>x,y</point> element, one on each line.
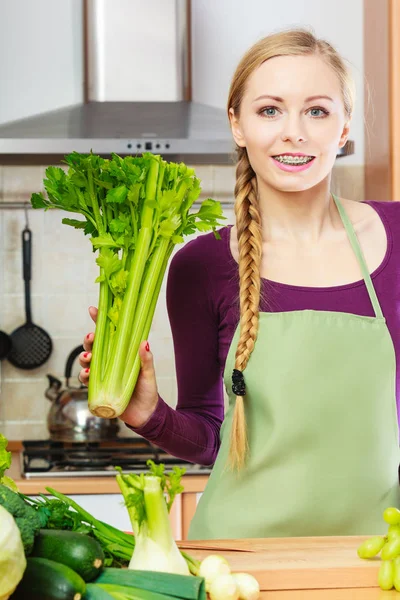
<point>292,106</point>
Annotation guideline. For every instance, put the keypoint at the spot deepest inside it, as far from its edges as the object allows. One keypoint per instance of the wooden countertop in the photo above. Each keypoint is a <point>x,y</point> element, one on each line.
<point>320,568</point>
<point>80,485</point>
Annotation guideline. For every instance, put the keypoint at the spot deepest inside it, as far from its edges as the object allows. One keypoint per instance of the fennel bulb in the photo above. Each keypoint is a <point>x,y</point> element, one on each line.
<point>155,548</point>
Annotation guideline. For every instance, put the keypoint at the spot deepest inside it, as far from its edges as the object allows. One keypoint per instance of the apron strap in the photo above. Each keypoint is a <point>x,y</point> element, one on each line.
<point>360,257</point>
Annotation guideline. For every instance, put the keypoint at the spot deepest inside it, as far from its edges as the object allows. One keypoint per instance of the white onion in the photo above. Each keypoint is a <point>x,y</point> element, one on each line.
<point>212,567</point>
<point>248,586</point>
<point>224,588</point>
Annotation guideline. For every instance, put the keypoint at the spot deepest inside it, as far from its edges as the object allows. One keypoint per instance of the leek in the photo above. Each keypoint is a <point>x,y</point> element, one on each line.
<point>135,209</point>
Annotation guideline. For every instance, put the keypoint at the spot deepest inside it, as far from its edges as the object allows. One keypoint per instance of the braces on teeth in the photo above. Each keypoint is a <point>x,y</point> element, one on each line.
<point>294,159</point>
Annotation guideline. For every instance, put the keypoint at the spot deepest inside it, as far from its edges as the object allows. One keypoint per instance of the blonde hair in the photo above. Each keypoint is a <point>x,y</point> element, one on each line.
<point>292,42</point>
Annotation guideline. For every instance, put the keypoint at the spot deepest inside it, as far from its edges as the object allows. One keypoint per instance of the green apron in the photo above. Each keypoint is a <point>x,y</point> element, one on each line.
<point>322,427</point>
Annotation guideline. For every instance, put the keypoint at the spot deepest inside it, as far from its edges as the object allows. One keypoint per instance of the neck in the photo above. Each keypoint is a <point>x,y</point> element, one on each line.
<point>298,217</point>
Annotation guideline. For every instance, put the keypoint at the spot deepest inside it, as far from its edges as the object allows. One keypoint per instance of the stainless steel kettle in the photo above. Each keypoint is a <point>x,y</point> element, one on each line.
<point>69,418</point>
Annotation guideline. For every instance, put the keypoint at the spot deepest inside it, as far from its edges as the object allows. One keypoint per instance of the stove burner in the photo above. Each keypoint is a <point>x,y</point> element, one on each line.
<point>89,459</point>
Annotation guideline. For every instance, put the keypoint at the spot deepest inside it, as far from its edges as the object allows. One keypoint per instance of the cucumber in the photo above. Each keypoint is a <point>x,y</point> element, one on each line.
<point>78,551</point>
<point>49,580</point>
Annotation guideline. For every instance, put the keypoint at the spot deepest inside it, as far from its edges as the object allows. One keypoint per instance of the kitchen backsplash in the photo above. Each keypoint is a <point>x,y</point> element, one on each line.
<point>63,275</point>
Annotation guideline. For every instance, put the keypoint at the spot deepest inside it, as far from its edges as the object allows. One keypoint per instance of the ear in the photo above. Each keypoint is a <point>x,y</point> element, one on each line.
<point>236,129</point>
<point>345,134</point>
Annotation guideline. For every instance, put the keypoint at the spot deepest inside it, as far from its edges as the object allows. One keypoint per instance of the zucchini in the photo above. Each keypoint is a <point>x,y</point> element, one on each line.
<point>78,551</point>
<point>187,587</point>
<point>49,580</point>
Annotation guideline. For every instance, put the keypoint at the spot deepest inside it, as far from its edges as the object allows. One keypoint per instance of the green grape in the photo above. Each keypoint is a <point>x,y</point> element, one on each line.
<point>393,532</point>
<point>392,516</point>
<point>396,575</point>
<point>371,547</point>
<point>391,549</point>
<point>386,575</point>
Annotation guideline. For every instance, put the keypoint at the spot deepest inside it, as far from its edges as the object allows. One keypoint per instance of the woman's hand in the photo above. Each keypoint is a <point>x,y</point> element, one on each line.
<point>145,395</point>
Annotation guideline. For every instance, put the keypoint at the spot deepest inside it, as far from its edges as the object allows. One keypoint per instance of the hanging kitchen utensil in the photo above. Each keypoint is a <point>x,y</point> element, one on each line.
<point>31,345</point>
<point>5,345</point>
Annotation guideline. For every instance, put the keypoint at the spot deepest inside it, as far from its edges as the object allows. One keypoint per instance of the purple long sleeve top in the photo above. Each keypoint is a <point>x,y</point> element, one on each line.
<point>203,309</point>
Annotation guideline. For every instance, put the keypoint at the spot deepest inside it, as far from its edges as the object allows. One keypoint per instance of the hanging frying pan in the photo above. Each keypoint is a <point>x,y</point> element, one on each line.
<point>31,345</point>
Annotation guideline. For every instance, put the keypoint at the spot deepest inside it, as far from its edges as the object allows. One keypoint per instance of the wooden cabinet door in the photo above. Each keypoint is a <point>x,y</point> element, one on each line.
<point>382,99</point>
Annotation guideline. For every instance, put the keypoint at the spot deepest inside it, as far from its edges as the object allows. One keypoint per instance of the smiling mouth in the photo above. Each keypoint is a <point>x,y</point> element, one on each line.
<point>293,160</point>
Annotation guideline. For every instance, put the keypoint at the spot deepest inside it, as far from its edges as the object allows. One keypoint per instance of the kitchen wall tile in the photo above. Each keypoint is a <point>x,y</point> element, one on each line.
<point>224,181</point>
<point>229,214</point>
<point>23,401</point>
<point>19,182</point>
<point>163,353</point>
<point>65,273</point>
<point>20,430</point>
<point>1,182</point>
<point>160,327</point>
<point>58,236</point>
<point>66,315</point>
<point>206,175</point>
<point>14,223</point>
<point>13,311</point>
<point>167,388</point>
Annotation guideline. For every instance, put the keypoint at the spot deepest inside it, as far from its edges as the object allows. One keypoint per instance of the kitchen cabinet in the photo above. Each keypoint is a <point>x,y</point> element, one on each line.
<point>382,99</point>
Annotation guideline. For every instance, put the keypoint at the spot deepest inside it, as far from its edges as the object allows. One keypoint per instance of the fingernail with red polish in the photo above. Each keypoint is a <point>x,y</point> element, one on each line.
<point>85,355</point>
<point>147,347</point>
<point>88,336</point>
<point>86,370</point>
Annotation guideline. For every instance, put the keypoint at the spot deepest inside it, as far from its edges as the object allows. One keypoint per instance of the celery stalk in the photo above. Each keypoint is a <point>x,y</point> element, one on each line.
<point>134,371</point>
<point>106,401</point>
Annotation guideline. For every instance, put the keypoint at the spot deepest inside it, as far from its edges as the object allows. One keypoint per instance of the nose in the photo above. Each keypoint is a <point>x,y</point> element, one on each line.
<point>293,130</point>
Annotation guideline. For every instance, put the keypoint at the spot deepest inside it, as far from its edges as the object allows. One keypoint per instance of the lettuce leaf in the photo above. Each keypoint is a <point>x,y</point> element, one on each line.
<point>5,463</point>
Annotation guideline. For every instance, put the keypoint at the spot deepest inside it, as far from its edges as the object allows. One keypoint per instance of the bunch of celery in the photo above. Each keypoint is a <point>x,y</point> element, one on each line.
<point>136,209</point>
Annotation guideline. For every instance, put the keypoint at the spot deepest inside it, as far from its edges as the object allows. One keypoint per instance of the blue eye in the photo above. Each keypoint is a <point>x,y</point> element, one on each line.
<point>318,110</point>
<point>269,111</point>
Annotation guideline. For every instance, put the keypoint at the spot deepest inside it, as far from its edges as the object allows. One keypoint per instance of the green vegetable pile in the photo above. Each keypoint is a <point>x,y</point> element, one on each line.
<point>389,548</point>
<point>28,522</point>
<point>52,549</point>
<point>135,209</point>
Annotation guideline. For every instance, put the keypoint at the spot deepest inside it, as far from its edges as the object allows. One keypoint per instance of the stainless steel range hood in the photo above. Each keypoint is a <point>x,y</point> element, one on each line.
<point>180,130</point>
<point>130,110</point>
<point>137,93</point>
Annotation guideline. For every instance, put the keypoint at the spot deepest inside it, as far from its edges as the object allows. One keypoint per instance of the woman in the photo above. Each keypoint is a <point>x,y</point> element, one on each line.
<point>284,311</point>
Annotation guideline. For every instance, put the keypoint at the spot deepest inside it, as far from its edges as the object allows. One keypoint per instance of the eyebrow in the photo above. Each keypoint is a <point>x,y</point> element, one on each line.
<point>278,99</point>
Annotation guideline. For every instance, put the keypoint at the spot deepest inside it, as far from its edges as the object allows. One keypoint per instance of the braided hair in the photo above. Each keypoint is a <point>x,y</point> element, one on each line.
<point>291,42</point>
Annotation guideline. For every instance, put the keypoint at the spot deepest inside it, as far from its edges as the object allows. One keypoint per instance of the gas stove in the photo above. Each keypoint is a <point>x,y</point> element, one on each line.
<point>47,458</point>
